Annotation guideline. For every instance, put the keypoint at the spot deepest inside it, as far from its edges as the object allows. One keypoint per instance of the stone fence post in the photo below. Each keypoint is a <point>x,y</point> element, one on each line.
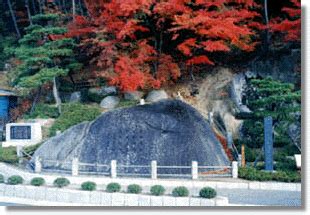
<point>37,165</point>
<point>234,169</point>
<point>154,169</point>
<point>75,167</point>
<point>113,169</point>
<point>194,170</point>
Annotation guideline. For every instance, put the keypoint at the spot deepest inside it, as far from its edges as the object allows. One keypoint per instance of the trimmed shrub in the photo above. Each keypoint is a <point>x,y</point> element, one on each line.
<point>72,114</point>
<point>253,174</point>
<point>38,181</point>
<point>8,155</point>
<point>15,179</point>
<point>207,192</point>
<point>134,188</point>
<point>43,111</point>
<point>157,190</point>
<point>61,182</point>
<point>88,185</point>
<point>113,187</point>
<point>1,179</point>
<point>180,191</point>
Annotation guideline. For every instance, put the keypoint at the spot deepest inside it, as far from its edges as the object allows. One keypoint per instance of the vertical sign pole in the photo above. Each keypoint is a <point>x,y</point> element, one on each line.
<point>242,156</point>
<point>268,143</point>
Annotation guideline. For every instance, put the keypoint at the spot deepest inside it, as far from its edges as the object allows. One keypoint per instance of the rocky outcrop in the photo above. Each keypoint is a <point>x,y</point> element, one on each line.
<point>170,132</point>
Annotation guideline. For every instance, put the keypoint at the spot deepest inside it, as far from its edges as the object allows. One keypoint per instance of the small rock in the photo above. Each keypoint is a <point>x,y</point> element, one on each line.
<point>104,91</point>
<point>133,95</point>
<point>75,97</point>
<point>109,102</point>
<point>156,95</point>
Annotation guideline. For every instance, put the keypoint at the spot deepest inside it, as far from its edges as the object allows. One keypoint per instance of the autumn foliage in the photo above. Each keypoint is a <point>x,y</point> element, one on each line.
<point>290,26</point>
<point>147,43</point>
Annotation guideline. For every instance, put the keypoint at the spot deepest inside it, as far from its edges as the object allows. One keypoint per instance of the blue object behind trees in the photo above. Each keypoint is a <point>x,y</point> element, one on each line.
<point>4,107</point>
<point>268,145</point>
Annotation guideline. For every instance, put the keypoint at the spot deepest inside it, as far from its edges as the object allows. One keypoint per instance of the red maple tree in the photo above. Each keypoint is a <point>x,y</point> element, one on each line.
<point>143,42</point>
<point>290,26</point>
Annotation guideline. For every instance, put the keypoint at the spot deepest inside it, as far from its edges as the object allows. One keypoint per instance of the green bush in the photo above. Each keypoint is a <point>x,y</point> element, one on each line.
<point>157,190</point>
<point>253,174</point>
<point>207,192</point>
<point>38,181</point>
<point>113,187</point>
<point>72,114</point>
<point>8,155</point>
<point>61,182</point>
<point>88,185</point>
<point>43,111</point>
<point>15,179</point>
<point>180,191</point>
<point>1,179</point>
<point>134,188</point>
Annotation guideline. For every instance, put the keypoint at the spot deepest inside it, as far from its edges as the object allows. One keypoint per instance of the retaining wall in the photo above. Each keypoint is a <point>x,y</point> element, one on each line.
<point>48,196</point>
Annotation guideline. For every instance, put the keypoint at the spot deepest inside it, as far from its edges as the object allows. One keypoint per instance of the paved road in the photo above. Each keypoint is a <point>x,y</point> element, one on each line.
<point>251,197</point>
<point>261,197</point>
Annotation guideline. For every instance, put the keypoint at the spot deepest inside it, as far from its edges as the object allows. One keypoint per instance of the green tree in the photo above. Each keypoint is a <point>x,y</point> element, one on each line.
<point>267,97</point>
<point>45,54</point>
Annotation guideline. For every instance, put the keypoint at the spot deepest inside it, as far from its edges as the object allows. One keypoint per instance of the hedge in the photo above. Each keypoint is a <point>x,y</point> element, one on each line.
<point>113,187</point>
<point>180,191</point>
<point>157,190</point>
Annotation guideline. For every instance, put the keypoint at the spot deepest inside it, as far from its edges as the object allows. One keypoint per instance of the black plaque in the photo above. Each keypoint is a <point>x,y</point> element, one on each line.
<point>20,132</point>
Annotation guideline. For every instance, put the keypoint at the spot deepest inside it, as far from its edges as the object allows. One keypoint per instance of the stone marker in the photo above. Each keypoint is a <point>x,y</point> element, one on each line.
<point>268,143</point>
<point>229,140</point>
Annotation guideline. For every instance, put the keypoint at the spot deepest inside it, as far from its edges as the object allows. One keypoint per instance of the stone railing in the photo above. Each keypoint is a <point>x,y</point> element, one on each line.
<point>194,171</point>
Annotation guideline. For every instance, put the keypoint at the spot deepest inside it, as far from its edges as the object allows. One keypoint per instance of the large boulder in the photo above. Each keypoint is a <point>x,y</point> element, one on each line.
<point>170,132</point>
<point>156,95</point>
<point>109,102</point>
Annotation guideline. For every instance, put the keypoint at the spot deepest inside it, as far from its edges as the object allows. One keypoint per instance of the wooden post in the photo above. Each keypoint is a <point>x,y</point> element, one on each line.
<point>242,156</point>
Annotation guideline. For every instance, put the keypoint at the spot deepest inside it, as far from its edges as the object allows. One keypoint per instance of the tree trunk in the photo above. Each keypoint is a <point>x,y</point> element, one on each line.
<point>28,11</point>
<point>14,19</point>
<point>34,7</point>
<point>73,10</point>
<point>64,6</point>
<point>35,101</point>
<point>81,8</point>
<point>266,45</point>
<point>56,95</point>
<point>40,6</point>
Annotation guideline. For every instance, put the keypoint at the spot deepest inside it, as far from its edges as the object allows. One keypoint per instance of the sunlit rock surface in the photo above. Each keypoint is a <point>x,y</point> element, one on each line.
<point>170,132</point>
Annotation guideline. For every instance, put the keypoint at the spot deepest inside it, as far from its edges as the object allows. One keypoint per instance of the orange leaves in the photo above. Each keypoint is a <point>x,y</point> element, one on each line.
<point>128,76</point>
<point>145,41</point>
<point>291,28</point>
<point>167,69</point>
<point>129,29</point>
<point>212,46</point>
<point>199,60</point>
<point>186,46</point>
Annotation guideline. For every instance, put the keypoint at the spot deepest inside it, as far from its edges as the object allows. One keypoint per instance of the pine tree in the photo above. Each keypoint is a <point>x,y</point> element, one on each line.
<point>45,54</point>
<point>267,97</point>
